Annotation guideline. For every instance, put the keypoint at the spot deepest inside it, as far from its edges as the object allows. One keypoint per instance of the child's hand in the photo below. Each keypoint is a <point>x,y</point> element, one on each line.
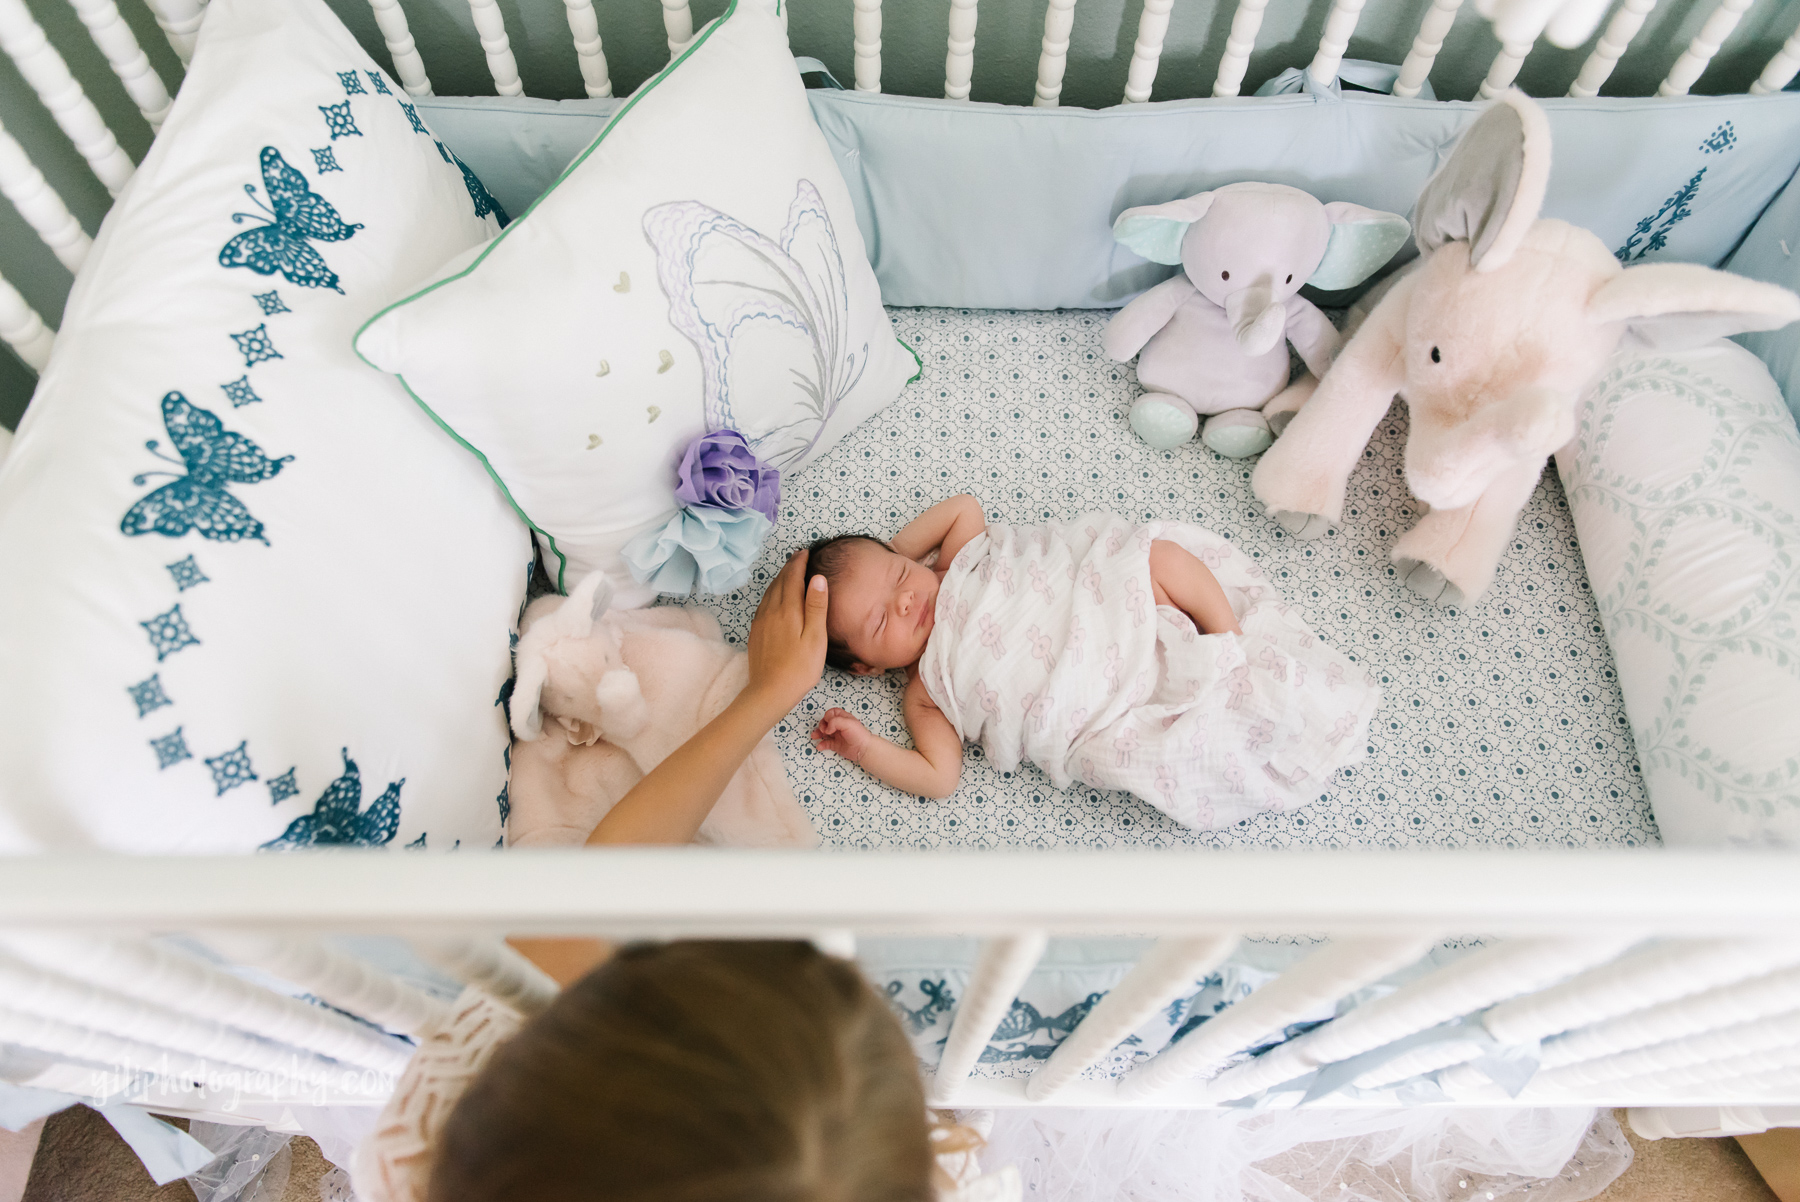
<point>839,731</point>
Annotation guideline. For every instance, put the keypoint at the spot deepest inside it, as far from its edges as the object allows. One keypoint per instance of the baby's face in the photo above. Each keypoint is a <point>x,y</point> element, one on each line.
<point>883,606</point>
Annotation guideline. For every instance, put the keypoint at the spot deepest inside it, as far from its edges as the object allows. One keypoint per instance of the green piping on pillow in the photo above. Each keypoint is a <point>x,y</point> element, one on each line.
<point>918,362</point>
<point>561,560</point>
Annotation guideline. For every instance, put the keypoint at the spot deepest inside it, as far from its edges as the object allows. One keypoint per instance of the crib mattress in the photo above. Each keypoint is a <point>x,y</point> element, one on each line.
<point>1501,724</point>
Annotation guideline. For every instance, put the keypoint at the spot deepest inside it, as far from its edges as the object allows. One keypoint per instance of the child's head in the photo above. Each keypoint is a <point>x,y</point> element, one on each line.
<point>697,1072</point>
<point>883,605</point>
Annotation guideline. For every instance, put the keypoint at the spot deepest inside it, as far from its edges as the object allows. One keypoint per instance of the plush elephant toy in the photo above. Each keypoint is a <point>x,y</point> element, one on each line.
<point>1490,338</point>
<point>604,695</point>
<point>1213,341</point>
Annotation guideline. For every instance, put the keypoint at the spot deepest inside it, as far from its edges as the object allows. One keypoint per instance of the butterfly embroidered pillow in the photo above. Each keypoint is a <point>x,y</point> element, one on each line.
<point>250,595</point>
<point>697,268</point>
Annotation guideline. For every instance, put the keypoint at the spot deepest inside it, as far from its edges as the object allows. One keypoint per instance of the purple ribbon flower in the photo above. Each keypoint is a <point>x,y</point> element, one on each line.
<point>721,471</point>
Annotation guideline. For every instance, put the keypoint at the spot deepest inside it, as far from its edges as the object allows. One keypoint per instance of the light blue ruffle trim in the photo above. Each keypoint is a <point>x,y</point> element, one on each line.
<point>700,549</point>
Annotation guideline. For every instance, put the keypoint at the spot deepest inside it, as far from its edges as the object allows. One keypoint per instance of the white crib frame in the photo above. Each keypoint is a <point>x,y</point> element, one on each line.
<point>1642,978</point>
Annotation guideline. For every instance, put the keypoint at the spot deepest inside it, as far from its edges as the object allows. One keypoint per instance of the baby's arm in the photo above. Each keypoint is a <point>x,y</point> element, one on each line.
<point>932,769</point>
<point>947,526</point>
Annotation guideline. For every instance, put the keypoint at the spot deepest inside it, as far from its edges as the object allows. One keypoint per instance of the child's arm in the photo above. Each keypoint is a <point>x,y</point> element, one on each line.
<point>946,526</point>
<point>932,769</point>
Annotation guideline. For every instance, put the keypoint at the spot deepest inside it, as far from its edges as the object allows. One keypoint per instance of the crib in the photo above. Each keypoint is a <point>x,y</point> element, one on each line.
<point>1604,973</point>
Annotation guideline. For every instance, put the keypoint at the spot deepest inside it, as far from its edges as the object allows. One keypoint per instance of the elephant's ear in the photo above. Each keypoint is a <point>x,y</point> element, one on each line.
<point>1155,231</point>
<point>1362,241</point>
<point>1675,305</point>
<point>1488,193</point>
<point>573,619</point>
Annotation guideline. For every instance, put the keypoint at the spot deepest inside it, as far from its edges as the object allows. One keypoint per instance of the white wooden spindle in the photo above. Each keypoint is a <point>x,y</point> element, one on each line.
<point>1320,980</point>
<point>126,57</point>
<point>1430,40</point>
<point>24,185</point>
<point>180,22</point>
<point>1053,59</point>
<point>1762,1074</point>
<point>1761,1035</point>
<point>1245,23</point>
<point>491,28</point>
<point>678,24</point>
<point>390,18</point>
<point>45,994</point>
<point>999,973</point>
<point>95,1047</point>
<point>1504,69</point>
<point>1723,1006</point>
<point>1471,983</point>
<point>180,981</point>
<point>584,27</point>
<point>1162,974</point>
<point>1700,51</point>
<point>24,41</point>
<point>23,329</point>
<point>494,968</point>
<point>866,42</point>
<point>1781,69</point>
<point>959,59</point>
<point>1339,25</point>
<point>335,977</point>
<point>1613,42</point>
<point>1146,52</point>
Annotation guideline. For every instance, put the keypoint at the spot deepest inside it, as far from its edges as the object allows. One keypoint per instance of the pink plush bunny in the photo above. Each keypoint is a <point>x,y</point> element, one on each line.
<point>1490,338</point>
<point>604,695</point>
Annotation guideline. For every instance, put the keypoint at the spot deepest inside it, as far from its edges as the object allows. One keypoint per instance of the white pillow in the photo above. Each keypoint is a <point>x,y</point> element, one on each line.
<point>248,591</point>
<point>697,268</point>
<point>1684,482</point>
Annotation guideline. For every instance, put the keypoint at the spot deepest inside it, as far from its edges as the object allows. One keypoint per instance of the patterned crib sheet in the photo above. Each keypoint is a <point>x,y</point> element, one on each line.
<point>1502,723</point>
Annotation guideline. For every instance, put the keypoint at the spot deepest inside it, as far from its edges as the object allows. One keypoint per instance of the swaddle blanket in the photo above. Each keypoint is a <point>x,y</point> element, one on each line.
<point>1049,646</point>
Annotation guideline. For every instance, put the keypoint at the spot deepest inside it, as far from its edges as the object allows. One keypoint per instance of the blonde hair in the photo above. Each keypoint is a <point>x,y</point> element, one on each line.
<point>697,1072</point>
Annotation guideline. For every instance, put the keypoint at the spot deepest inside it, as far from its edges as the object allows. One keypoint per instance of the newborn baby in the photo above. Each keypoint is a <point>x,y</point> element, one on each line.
<point>1152,658</point>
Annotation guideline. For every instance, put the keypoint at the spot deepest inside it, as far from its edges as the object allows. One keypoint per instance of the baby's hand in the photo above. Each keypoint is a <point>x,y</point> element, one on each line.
<point>839,731</point>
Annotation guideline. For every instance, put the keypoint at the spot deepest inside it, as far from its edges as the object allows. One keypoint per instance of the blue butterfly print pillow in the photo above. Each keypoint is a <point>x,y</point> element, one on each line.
<point>294,214</point>
<point>198,501</point>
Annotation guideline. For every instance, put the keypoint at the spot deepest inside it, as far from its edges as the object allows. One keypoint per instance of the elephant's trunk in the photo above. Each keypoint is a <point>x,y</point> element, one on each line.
<point>1258,319</point>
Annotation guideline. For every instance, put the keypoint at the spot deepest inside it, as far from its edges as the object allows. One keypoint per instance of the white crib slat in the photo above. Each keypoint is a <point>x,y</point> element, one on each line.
<point>1781,69</point>
<point>24,41</point>
<point>180,22</point>
<point>1323,977</point>
<point>1432,29</point>
<point>340,979</point>
<point>24,331</point>
<point>494,968</point>
<point>866,42</point>
<point>584,27</point>
<point>126,57</point>
<point>24,185</point>
<point>390,18</point>
<point>1339,25</point>
<point>494,43</point>
<point>95,1047</point>
<point>1146,52</point>
<point>1700,51</point>
<point>34,991</point>
<point>163,975</point>
<point>1477,980</point>
<point>1764,1074</point>
<point>1613,43</point>
<point>1164,973</point>
<point>678,24</point>
<point>1722,1006</point>
<point>999,972</point>
<point>1762,1035</point>
<point>1504,69</point>
<point>959,59</point>
<point>1053,58</point>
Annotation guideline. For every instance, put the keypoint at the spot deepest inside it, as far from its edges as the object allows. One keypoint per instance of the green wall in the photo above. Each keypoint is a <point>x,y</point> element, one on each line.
<point>1006,51</point>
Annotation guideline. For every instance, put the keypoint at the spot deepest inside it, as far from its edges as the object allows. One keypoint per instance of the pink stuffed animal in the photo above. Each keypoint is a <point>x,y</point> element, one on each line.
<point>1490,338</point>
<point>603,696</point>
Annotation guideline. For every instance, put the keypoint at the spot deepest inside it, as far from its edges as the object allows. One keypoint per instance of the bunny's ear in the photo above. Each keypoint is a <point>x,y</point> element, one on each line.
<point>1488,193</point>
<point>1155,231</point>
<point>531,668</point>
<point>573,619</point>
<point>1675,305</point>
<point>1362,241</point>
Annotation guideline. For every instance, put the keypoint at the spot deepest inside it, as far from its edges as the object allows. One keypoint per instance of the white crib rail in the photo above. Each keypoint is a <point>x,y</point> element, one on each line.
<point>1053,58</point>
<point>391,20</point>
<point>866,44</point>
<point>1340,23</point>
<point>1146,51</point>
<point>1612,44</point>
<point>25,43</point>
<point>1706,43</point>
<point>24,330</point>
<point>1717,1003</point>
<point>1430,40</point>
<point>1781,68</point>
<point>491,28</point>
<point>180,22</point>
<point>584,27</point>
<point>126,57</point>
<point>959,57</point>
<point>678,24</point>
<point>43,209</point>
